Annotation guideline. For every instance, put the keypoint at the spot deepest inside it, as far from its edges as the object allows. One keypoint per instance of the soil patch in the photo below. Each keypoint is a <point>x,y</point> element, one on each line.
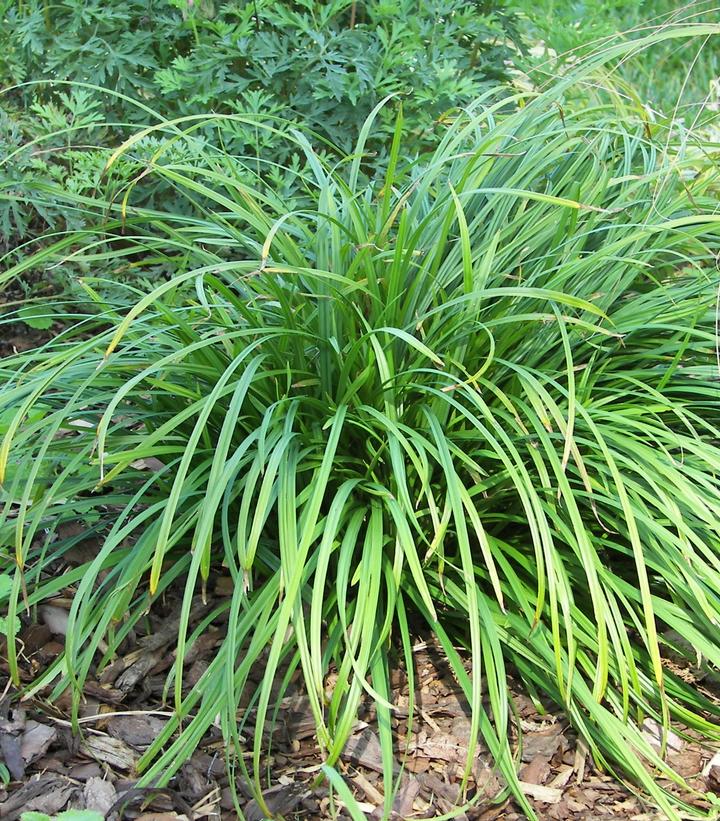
<point>123,712</point>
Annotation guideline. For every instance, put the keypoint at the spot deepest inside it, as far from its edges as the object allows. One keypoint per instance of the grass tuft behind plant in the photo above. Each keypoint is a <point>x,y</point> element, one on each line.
<point>480,395</point>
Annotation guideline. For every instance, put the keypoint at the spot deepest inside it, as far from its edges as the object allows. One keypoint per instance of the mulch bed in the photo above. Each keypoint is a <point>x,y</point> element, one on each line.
<point>123,711</point>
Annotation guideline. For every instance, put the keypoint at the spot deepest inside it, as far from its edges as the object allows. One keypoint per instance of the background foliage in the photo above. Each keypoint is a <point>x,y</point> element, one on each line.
<point>321,67</point>
<point>682,74</point>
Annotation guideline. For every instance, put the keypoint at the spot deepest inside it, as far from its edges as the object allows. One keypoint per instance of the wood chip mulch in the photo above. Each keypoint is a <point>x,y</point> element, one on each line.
<point>123,711</point>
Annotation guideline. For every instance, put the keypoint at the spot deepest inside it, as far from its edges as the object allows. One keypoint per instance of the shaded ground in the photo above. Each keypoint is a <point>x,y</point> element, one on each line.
<point>123,712</point>
<point>16,337</point>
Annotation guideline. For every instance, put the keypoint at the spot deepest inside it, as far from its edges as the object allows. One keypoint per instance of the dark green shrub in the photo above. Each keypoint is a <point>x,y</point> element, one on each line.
<point>317,66</point>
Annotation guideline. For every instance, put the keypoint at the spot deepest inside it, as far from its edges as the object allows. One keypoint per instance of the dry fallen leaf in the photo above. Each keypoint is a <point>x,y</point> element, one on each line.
<point>99,795</point>
<point>35,740</point>
<point>548,795</point>
<point>151,463</point>
<point>107,750</point>
<point>536,771</point>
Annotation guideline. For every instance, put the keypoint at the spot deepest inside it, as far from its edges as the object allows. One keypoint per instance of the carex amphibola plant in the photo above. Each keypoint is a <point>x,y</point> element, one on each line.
<point>476,398</point>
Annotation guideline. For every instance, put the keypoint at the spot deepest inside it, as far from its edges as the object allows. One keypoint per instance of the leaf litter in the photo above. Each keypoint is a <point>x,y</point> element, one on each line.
<point>123,712</point>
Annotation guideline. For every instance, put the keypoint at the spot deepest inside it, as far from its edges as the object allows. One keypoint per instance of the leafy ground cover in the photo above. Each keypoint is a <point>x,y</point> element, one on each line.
<point>472,398</point>
<point>318,66</point>
<point>157,59</point>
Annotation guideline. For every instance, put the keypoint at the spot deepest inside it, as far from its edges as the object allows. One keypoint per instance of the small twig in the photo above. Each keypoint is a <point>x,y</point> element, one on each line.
<point>105,716</point>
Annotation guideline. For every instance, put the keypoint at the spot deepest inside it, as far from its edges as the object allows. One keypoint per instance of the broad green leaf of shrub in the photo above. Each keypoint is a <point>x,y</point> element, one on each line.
<point>4,625</point>
<point>35,415</point>
<point>5,586</point>
<point>318,66</point>
<point>38,317</point>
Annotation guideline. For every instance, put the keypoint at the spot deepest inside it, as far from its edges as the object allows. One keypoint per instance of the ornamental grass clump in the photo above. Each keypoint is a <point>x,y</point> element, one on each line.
<point>476,398</point>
